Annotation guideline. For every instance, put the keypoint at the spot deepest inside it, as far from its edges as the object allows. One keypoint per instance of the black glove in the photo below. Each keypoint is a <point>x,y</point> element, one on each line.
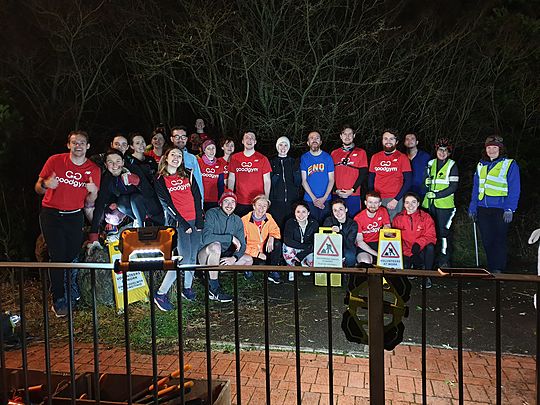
<point>415,249</point>
<point>472,215</point>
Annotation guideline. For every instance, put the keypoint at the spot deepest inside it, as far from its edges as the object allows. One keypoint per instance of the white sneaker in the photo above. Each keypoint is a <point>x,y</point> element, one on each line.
<point>291,276</point>
<point>306,273</point>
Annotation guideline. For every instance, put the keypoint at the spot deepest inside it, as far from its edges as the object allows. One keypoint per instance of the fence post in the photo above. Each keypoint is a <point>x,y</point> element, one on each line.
<point>376,338</point>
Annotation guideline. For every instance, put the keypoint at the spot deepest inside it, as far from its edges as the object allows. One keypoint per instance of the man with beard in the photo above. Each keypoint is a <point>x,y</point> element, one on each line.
<point>370,221</point>
<point>223,242</point>
<point>390,173</point>
<point>179,139</point>
<point>351,168</point>
<point>419,160</point>
<point>317,169</point>
<point>249,174</point>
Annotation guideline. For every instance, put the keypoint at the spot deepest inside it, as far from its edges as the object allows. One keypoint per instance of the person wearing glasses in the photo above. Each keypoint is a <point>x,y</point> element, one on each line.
<point>179,139</point>
<point>351,169</point>
<point>495,196</point>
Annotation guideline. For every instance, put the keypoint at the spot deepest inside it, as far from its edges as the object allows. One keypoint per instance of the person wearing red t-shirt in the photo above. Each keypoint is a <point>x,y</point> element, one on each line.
<point>198,137</point>
<point>418,235</point>
<point>249,174</point>
<point>212,174</point>
<point>227,145</point>
<point>180,197</point>
<point>350,170</point>
<point>370,221</point>
<point>158,144</point>
<point>69,183</point>
<point>390,173</point>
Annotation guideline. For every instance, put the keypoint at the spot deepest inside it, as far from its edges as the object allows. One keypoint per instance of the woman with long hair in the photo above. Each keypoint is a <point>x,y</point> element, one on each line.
<point>180,198</point>
<point>158,144</point>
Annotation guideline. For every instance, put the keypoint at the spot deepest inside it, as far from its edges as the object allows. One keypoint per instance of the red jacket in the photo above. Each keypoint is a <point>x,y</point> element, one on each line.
<point>416,228</point>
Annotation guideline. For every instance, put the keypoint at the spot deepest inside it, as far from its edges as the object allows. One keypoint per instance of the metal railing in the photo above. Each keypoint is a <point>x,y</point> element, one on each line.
<point>376,314</point>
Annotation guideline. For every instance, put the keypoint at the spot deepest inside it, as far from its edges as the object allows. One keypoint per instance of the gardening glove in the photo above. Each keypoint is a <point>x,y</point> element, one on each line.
<point>507,216</point>
<point>430,195</point>
<point>415,249</point>
<point>472,215</point>
<point>130,179</point>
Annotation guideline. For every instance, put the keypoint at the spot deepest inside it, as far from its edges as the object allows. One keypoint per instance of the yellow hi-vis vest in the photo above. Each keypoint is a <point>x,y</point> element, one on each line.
<point>493,183</point>
<point>437,181</point>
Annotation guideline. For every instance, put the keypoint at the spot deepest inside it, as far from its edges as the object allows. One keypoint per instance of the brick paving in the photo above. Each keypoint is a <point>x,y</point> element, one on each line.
<point>351,374</point>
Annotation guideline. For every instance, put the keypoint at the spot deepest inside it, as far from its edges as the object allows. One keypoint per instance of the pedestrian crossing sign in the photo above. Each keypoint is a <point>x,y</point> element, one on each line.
<point>390,253</point>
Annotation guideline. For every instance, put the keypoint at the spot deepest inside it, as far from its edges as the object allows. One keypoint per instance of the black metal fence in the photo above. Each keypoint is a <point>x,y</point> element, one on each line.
<point>376,310</point>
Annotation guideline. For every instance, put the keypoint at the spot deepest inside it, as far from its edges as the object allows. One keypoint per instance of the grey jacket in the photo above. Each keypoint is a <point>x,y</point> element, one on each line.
<point>220,227</point>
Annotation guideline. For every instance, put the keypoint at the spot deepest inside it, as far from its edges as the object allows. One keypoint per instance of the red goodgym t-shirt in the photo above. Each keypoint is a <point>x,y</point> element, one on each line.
<point>71,191</point>
<point>180,190</point>
<point>249,173</point>
<point>369,227</point>
<point>210,174</point>
<point>346,165</point>
<point>389,171</point>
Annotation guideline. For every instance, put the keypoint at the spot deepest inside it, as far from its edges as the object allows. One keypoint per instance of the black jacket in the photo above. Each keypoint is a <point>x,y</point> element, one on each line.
<point>112,187</point>
<point>286,179</point>
<point>172,216</point>
<point>349,229</point>
<point>292,236</point>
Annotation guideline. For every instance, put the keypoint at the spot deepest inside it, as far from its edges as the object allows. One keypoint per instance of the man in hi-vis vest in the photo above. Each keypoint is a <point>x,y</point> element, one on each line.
<point>495,197</point>
<point>441,182</point>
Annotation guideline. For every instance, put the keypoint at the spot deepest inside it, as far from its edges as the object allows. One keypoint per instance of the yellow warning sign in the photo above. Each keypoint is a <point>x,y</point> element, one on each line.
<point>136,282</point>
<point>390,253</point>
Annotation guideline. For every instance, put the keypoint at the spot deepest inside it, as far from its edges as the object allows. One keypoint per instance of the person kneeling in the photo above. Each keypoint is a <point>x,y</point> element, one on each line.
<point>223,243</point>
<point>262,237</point>
<point>418,235</point>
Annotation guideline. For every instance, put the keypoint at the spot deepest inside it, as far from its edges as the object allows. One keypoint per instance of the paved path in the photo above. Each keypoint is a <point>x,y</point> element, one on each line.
<point>351,378</point>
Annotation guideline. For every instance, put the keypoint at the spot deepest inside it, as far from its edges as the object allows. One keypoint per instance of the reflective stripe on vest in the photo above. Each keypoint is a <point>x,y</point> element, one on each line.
<point>493,183</point>
<point>437,181</point>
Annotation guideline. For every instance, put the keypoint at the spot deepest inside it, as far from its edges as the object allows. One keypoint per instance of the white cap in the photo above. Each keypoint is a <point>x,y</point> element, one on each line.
<point>283,139</point>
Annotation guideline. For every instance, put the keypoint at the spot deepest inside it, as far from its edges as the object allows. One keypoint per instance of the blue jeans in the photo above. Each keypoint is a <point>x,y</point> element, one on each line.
<point>188,247</point>
<point>316,213</point>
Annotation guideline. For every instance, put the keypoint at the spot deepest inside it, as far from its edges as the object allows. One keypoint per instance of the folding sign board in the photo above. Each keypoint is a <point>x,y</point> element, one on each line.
<point>390,254</point>
<point>327,252</point>
<point>137,287</point>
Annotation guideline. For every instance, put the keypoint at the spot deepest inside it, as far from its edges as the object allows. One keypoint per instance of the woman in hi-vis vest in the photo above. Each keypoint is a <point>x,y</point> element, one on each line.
<point>494,200</point>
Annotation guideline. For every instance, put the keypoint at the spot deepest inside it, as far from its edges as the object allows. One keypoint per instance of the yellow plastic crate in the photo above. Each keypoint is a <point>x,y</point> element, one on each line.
<point>335,279</point>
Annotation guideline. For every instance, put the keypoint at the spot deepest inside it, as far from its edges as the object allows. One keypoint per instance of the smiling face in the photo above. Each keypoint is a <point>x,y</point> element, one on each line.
<point>260,207</point>
<point>411,204</point>
<point>120,143</point>
<point>389,142</point>
<point>442,153</point>
<point>282,148</point>
<point>249,141</point>
<point>228,148</point>
<point>347,136</point>
<point>492,151</point>
<point>179,138</point>
<point>78,145</point>
<point>138,144</point>
<point>301,213</point>
<point>174,160</point>
<point>372,204</point>
<point>158,140</point>
<point>114,164</point>
<point>314,141</point>
<point>340,212</point>
<point>228,205</point>
<point>210,151</point>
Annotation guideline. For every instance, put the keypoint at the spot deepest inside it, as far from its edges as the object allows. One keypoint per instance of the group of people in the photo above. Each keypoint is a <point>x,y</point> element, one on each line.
<point>245,209</point>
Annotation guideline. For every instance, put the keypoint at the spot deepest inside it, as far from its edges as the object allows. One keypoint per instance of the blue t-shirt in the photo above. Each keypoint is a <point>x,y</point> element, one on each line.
<point>317,169</point>
<point>419,171</point>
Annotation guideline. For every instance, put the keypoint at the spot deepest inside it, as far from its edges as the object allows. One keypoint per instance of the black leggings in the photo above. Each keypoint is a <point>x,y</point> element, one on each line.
<point>63,234</point>
<point>423,260</point>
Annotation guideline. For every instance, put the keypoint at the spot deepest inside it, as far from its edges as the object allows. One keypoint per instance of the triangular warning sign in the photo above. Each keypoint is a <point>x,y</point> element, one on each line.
<point>390,252</point>
<point>328,248</point>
